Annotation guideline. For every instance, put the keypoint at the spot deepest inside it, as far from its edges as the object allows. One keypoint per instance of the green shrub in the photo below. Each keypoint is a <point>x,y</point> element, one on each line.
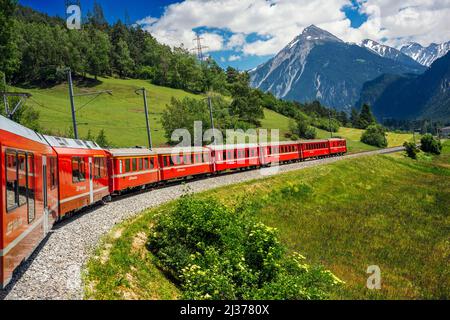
<point>411,149</point>
<point>430,145</point>
<point>302,129</point>
<point>326,124</point>
<point>214,252</point>
<point>375,135</point>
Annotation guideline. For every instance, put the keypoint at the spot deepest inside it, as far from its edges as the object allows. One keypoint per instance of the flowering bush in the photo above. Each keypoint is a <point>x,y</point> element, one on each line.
<point>214,252</point>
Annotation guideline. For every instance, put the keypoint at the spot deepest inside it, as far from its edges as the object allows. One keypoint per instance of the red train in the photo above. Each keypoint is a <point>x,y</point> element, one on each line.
<point>44,179</point>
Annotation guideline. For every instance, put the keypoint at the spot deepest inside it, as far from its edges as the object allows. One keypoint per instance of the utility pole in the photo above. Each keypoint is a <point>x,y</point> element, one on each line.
<point>212,118</point>
<point>199,47</point>
<point>149,134</point>
<point>22,95</point>
<point>72,102</point>
<point>329,122</point>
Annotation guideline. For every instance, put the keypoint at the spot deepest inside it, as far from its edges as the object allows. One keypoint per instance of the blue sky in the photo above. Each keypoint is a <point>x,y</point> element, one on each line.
<point>246,33</point>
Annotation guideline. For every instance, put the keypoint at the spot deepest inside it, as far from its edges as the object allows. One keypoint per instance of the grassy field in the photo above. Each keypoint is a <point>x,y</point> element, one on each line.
<point>388,211</point>
<point>353,137</point>
<point>120,115</point>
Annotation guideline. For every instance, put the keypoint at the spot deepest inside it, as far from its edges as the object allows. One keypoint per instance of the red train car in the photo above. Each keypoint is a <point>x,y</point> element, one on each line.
<point>315,149</point>
<point>281,152</point>
<point>178,163</point>
<point>131,168</point>
<point>338,147</point>
<point>237,156</point>
<point>28,203</point>
<point>82,173</point>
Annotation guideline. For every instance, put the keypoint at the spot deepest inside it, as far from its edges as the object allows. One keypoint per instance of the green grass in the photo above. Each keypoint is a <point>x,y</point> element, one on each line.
<point>355,145</point>
<point>389,211</point>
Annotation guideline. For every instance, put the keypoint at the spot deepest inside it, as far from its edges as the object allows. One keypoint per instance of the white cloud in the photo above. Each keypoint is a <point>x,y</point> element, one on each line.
<point>277,22</point>
<point>234,58</point>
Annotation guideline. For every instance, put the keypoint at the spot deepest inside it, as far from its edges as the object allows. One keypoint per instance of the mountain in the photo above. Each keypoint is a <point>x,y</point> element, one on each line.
<point>426,55</point>
<point>316,65</point>
<point>388,52</point>
<point>408,97</point>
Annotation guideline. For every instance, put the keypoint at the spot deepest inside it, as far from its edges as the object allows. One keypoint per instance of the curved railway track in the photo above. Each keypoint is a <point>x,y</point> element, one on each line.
<point>54,270</point>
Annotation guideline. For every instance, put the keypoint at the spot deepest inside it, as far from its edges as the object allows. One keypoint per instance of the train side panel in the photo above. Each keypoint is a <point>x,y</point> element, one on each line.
<point>236,157</point>
<point>82,173</point>
<point>315,149</point>
<point>25,217</point>
<point>132,168</point>
<point>182,163</point>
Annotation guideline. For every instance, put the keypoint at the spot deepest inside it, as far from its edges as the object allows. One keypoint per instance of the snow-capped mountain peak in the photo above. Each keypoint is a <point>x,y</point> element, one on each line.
<point>426,55</point>
<point>386,51</point>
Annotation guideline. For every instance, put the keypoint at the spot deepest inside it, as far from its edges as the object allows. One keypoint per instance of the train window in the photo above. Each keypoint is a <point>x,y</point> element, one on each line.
<point>145,163</point>
<point>78,170</point>
<point>22,179</point>
<point>30,188</point>
<point>96,168</point>
<point>165,161</point>
<point>230,155</point>
<point>187,159</point>
<point>206,157</point>
<point>198,158</point>
<point>53,179</point>
<point>99,168</point>
<point>127,165</point>
<point>141,163</point>
<point>152,163</point>
<point>11,181</point>
<point>193,158</point>
<point>134,163</point>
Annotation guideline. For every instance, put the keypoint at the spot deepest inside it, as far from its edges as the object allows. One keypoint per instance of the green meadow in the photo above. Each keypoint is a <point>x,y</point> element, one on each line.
<point>385,210</point>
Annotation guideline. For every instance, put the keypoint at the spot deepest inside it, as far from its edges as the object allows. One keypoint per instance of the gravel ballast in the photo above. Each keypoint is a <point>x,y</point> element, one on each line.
<point>54,270</point>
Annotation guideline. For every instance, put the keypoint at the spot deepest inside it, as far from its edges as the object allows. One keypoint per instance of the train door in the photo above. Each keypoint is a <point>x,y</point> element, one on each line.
<point>91,180</point>
<point>45,194</point>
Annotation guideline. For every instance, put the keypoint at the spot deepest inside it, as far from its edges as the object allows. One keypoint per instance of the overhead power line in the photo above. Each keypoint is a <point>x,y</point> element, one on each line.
<point>199,48</point>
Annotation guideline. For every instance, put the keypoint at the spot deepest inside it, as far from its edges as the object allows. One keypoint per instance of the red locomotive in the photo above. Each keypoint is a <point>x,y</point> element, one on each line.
<point>44,178</point>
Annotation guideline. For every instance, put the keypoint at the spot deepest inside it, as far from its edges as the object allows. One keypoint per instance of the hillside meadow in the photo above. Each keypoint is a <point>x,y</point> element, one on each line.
<point>385,210</point>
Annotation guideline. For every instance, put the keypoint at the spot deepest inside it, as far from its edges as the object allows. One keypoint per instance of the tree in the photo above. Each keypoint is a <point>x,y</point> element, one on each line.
<point>97,19</point>
<point>366,117</point>
<point>90,136</point>
<point>430,145</point>
<point>354,118</point>
<point>375,135</point>
<point>101,140</point>
<point>98,54</point>
<point>247,103</point>
<point>411,149</point>
<point>7,46</point>
<point>121,60</point>
<point>302,129</point>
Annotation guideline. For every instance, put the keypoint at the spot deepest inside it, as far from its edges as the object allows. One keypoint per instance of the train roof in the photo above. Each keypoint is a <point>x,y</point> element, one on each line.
<point>170,150</point>
<point>18,129</point>
<point>233,146</point>
<point>59,142</point>
<point>129,152</point>
<point>279,143</point>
